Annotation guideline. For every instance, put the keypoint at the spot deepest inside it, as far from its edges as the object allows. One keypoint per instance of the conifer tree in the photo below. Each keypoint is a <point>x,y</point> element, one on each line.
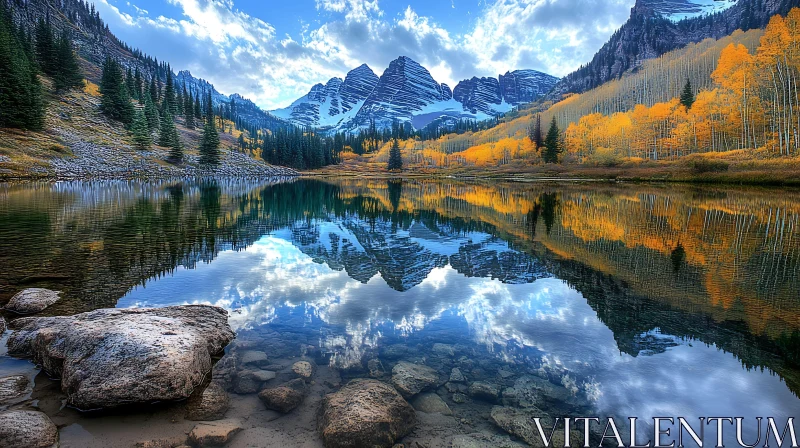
<point>552,143</point>
<point>67,73</point>
<point>137,81</point>
<point>45,47</point>
<point>141,132</point>
<point>20,91</point>
<point>168,138</point>
<point>115,101</point>
<point>129,83</point>
<point>537,132</point>
<point>153,89</point>
<point>687,96</point>
<point>150,112</point>
<point>198,110</point>
<point>169,102</point>
<point>188,108</point>
<point>395,158</point>
<point>209,145</point>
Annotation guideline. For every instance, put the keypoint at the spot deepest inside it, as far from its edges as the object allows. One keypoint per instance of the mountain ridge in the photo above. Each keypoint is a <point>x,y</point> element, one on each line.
<point>406,92</point>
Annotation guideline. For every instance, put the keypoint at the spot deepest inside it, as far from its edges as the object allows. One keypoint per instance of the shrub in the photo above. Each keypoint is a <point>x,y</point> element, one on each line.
<point>703,165</point>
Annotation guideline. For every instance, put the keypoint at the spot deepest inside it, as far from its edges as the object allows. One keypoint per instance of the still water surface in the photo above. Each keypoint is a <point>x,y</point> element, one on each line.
<point>627,300</point>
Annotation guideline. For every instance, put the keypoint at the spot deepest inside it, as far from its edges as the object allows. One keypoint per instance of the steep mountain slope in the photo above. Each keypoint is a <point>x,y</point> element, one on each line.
<point>406,92</point>
<point>94,42</point>
<point>332,103</point>
<point>652,30</point>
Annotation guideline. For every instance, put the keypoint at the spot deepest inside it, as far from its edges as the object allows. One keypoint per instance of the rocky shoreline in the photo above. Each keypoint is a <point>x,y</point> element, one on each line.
<point>130,360</point>
<point>90,161</point>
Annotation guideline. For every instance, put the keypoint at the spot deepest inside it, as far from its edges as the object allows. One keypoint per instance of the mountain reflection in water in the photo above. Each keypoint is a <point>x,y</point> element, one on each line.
<point>639,300</point>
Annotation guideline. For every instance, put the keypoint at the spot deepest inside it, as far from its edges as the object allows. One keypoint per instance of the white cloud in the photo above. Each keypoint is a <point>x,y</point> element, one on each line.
<point>244,54</point>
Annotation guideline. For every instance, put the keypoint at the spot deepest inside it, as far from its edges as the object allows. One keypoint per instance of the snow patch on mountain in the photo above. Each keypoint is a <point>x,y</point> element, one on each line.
<point>677,10</point>
<point>406,92</point>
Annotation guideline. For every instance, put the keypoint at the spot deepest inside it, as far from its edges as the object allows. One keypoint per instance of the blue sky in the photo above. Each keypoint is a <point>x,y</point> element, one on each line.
<point>274,51</point>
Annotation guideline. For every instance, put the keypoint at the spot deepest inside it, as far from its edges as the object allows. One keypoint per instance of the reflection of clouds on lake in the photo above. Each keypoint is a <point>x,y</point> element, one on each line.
<point>547,315</point>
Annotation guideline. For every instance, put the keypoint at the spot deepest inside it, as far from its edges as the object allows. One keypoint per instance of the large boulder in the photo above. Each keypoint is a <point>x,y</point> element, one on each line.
<point>365,413</point>
<point>112,357</point>
<point>27,429</point>
<point>285,397</point>
<point>32,300</point>
<point>411,379</point>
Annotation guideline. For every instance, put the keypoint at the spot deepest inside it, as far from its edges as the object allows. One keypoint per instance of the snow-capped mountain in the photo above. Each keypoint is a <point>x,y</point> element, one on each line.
<point>404,258</point>
<point>406,92</point>
<point>332,104</point>
<point>677,10</point>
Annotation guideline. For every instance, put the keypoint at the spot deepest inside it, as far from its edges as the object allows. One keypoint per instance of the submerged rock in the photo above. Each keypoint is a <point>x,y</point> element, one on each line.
<point>532,391</point>
<point>443,349</point>
<point>365,413</point>
<point>251,381</point>
<point>431,403</point>
<point>375,368</point>
<point>27,429</point>
<point>520,423</point>
<point>285,397</point>
<point>32,300</point>
<point>456,376</point>
<point>411,379</point>
<point>481,440</point>
<point>460,398</point>
<point>253,358</point>
<point>303,368</point>
<point>12,387</point>
<point>484,391</point>
<point>216,433</point>
<point>112,357</point>
<point>211,404</point>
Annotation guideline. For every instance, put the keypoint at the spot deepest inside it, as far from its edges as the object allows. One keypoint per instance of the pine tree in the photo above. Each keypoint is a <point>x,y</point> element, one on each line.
<point>141,132</point>
<point>150,112</point>
<point>138,85</point>
<point>20,91</point>
<point>198,110</point>
<point>537,132</point>
<point>68,73</point>
<point>687,96</point>
<point>209,145</point>
<point>552,143</point>
<point>169,101</point>
<point>188,108</point>
<point>46,47</point>
<point>168,138</point>
<point>153,89</point>
<point>395,158</point>
<point>115,102</point>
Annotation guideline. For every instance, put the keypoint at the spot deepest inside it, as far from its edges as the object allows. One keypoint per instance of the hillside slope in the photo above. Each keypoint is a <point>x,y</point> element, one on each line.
<point>79,142</point>
<point>652,31</point>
